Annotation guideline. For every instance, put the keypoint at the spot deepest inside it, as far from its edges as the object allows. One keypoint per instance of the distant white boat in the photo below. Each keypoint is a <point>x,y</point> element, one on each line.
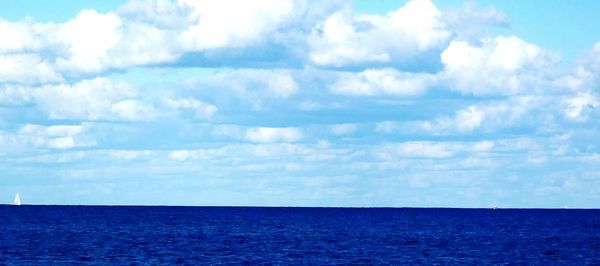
<point>17,200</point>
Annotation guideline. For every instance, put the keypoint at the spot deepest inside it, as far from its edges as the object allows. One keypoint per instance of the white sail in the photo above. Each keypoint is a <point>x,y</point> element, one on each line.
<point>17,200</point>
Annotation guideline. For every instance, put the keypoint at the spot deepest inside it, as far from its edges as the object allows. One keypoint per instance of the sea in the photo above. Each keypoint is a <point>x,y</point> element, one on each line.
<point>107,235</point>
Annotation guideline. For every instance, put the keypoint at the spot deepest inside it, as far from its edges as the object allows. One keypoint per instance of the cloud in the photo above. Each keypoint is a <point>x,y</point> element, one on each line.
<point>56,137</point>
<point>580,106</point>
<point>470,13</point>
<point>585,74</point>
<point>132,110</point>
<point>418,149</point>
<point>93,99</point>
<point>165,14</point>
<point>387,127</point>
<point>143,44</point>
<point>270,134</point>
<point>15,95</point>
<point>233,23</point>
<point>372,82</point>
<point>593,61</point>
<point>200,154</point>
<point>90,43</point>
<point>465,120</point>
<point>26,69</point>
<point>499,66</point>
<point>18,37</point>
<point>483,146</point>
<point>201,109</point>
<point>278,83</point>
<point>346,39</point>
<point>256,89</point>
<point>128,155</point>
<point>469,21</point>
<point>283,85</point>
<point>88,37</point>
<point>488,116</point>
<point>343,129</point>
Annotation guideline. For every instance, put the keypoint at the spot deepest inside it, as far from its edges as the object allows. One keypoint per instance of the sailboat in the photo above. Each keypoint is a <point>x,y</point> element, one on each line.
<point>17,200</point>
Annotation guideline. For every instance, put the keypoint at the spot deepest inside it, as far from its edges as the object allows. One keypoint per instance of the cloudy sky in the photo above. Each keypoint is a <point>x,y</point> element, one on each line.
<point>301,103</point>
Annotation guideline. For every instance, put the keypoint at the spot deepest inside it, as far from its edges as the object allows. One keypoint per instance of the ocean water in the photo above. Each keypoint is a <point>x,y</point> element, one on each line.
<point>43,235</point>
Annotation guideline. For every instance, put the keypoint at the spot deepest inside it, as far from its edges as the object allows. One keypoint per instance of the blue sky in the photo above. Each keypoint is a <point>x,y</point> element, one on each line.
<point>301,103</point>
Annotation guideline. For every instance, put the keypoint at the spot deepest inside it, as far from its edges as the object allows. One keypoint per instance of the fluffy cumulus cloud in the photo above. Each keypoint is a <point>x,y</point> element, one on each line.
<point>88,37</point>
<point>218,25</point>
<point>139,33</point>
<point>26,69</point>
<point>500,66</point>
<point>19,36</point>
<point>403,35</point>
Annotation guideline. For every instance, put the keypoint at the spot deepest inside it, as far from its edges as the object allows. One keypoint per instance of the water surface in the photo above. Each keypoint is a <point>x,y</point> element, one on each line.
<point>215,235</point>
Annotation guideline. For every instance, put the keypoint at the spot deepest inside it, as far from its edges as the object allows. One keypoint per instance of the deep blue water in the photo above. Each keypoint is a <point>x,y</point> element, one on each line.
<point>44,235</point>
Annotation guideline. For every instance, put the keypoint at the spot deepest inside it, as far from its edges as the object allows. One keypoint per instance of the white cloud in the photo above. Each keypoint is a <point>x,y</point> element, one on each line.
<point>26,68</point>
<point>282,85</point>
<point>470,13</point>
<point>469,21</point>
<point>201,109</point>
<point>56,137</point>
<point>89,43</point>
<point>483,146</point>
<point>94,99</point>
<point>250,87</point>
<point>424,149</point>
<point>128,155</point>
<point>485,116</point>
<point>586,73</point>
<point>579,106</point>
<point>132,110</point>
<point>229,23</point>
<point>15,95</point>
<point>346,39</point>
<point>373,82</point>
<point>274,82</point>
<point>343,129</point>
<point>180,155</point>
<point>500,66</point>
<point>271,134</point>
<point>88,37</point>
<point>200,154</point>
<point>387,126</point>
<point>162,13</point>
<point>17,36</point>
<point>143,44</point>
<point>468,119</point>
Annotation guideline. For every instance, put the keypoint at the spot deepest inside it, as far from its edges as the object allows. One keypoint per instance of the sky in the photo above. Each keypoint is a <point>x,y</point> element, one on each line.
<point>301,103</point>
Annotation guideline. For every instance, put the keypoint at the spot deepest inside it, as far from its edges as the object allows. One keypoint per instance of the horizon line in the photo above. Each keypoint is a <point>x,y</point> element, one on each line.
<point>312,207</point>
